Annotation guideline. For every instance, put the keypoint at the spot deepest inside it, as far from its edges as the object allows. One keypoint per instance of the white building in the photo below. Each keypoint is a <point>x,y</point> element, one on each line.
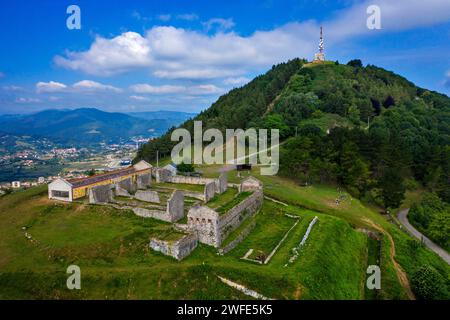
<point>15,184</point>
<point>41,180</point>
<point>172,168</point>
<point>60,189</point>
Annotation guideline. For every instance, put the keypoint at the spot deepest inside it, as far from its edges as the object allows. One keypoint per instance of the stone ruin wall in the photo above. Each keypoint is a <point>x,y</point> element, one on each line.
<point>175,206</point>
<point>179,249</point>
<point>190,180</point>
<point>250,185</point>
<point>162,175</point>
<point>144,181</point>
<point>213,228</point>
<point>120,192</point>
<point>209,191</point>
<point>221,183</point>
<point>238,239</point>
<point>100,194</point>
<point>236,215</point>
<point>147,196</point>
<point>127,184</point>
<point>204,221</point>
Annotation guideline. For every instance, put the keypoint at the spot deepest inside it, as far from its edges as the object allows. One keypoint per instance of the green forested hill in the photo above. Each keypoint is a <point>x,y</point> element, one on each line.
<point>364,128</point>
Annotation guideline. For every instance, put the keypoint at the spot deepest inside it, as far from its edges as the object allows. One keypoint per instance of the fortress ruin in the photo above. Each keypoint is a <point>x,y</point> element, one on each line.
<point>183,201</point>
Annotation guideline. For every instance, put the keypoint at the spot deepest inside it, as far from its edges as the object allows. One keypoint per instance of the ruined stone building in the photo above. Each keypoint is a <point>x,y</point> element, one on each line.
<point>69,190</point>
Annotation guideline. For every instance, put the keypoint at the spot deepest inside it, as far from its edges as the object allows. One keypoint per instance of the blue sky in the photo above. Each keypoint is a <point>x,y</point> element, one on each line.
<point>182,55</point>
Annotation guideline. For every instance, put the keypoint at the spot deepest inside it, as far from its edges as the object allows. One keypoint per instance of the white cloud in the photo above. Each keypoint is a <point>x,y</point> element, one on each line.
<point>13,88</point>
<point>81,86</point>
<point>52,86</point>
<point>110,56</point>
<point>447,79</point>
<point>27,100</point>
<point>164,17</point>
<point>203,89</point>
<point>88,85</point>
<point>173,53</point>
<point>187,17</point>
<point>165,89</point>
<point>220,23</point>
<point>236,81</point>
<point>139,98</point>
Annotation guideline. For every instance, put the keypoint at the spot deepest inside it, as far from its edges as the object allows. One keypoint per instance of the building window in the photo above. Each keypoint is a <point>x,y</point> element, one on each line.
<point>60,194</point>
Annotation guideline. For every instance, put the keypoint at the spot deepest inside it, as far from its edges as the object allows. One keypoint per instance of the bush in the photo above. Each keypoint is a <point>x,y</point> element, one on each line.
<point>185,167</point>
<point>428,284</point>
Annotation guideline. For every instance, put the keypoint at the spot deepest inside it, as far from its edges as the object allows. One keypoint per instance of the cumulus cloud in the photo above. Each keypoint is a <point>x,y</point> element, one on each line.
<point>236,81</point>
<point>52,86</point>
<point>173,53</point>
<point>139,98</point>
<point>88,85</point>
<point>26,100</point>
<point>177,53</point>
<point>219,23</point>
<point>447,79</point>
<point>187,16</point>
<point>12,88</point>
<point>204,89</point>
<point>164,17</point>
<point>165,89</point>
<point>81,86</point>
<point>110,56</point>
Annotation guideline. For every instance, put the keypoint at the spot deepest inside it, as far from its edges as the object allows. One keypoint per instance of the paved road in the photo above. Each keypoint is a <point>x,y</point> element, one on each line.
<point>403,217</point>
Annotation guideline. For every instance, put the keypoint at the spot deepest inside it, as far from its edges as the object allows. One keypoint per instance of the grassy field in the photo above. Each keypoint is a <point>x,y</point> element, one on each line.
<point>111,248</point>
<point>398,251</point>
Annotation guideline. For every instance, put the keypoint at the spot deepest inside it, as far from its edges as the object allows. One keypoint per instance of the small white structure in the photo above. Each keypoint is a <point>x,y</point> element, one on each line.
<point>41,180</point>
<point>15,184</point>
<point>142,165</point>
<point>60,189</point>
<point>172,168</point>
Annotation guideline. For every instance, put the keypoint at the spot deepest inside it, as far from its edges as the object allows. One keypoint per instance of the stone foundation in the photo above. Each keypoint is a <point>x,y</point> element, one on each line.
<point>177,249</point>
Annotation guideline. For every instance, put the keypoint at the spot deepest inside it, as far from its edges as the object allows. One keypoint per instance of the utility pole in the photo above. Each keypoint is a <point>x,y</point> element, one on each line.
<point>157,158</point>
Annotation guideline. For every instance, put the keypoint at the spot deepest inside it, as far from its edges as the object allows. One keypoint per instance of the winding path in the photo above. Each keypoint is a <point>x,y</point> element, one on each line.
<point>403,217</point>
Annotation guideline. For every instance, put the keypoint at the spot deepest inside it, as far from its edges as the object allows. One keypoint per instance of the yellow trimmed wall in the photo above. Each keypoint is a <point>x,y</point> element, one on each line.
<point>81,192</point>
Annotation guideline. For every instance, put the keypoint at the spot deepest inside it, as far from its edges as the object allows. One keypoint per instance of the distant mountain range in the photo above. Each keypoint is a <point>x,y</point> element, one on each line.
<point>89,125</point>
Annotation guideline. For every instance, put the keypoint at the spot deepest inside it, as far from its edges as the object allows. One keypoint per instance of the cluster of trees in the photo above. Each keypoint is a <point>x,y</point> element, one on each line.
<point>408,138</point>
<point>432,217</point>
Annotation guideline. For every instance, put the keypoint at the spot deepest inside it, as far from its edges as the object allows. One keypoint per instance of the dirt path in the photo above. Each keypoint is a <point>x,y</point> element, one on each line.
<point>401,275</point>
